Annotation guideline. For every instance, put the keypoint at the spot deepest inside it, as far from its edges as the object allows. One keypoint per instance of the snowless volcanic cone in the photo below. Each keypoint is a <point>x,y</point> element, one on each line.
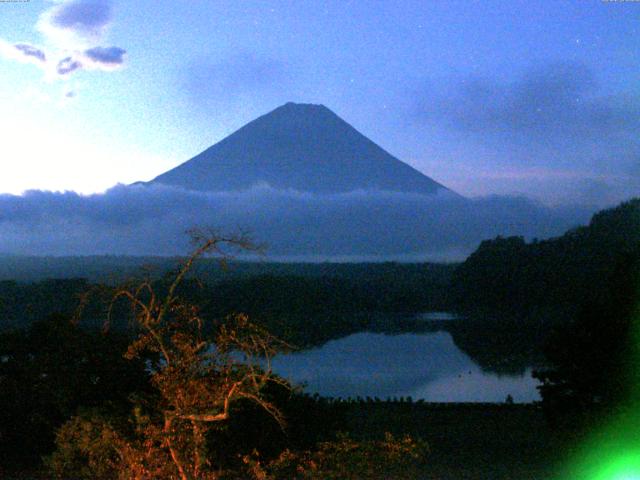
<point>301,147</point>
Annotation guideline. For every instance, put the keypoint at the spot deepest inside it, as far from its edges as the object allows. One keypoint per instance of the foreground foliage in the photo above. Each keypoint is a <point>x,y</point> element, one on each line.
<point>90,447</point>
<point>348,459</point>
<point>196,377</point>
<point>50,370</point>
<point>202,376</point>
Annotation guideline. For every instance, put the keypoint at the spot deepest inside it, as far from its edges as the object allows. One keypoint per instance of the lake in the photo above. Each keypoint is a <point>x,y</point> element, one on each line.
<point>425,366</point>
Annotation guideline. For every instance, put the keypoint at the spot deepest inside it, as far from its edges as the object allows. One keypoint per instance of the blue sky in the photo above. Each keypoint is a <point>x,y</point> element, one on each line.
<point>490,97</point>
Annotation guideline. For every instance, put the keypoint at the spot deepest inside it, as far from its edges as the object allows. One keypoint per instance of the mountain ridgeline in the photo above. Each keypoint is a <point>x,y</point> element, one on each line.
<point>300,147</point>
<point>515,295</point>
<point>559,273</point>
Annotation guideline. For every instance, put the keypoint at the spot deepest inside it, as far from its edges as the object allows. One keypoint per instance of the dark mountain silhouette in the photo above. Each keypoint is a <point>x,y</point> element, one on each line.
<point>299,178</point>
<point>525,278</point>
<point>302,147</point>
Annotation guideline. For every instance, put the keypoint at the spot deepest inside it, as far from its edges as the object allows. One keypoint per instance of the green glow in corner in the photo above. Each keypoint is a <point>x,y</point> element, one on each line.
<point>625,467</point>
<point>613,452</point>
<point>609,460</point>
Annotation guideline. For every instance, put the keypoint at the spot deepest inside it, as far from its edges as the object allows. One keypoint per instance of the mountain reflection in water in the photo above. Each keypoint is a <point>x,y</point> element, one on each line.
<point>424,366</point>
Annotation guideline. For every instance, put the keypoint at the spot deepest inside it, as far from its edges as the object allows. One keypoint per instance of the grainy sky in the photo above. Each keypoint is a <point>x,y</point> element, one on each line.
<point>540,98</point>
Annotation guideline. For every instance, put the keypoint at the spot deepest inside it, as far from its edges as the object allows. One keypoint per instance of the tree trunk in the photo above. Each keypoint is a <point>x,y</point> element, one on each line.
<point>174,455</point>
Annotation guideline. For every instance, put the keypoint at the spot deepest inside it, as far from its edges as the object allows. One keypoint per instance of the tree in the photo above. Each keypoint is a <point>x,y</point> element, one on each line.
<point>198,373</point>
<point>348,459</point>
<point>593,360</point>
<point>204,377</point>
<point>49,370</point>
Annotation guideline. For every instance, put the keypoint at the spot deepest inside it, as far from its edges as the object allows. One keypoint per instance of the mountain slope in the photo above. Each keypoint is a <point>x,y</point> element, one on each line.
<point>509,274</point>
<point>301,147</point>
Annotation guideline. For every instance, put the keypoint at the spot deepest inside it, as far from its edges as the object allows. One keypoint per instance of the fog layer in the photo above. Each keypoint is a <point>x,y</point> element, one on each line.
<point>360,225</point>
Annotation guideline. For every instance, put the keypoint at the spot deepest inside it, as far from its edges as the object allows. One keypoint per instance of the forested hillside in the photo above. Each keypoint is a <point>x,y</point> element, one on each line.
<point>557,275</point>
<point>514,294</point>
<point>305,303</point>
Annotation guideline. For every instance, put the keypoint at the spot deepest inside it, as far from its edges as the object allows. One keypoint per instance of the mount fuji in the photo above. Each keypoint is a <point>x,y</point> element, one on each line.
<point>300,147</point>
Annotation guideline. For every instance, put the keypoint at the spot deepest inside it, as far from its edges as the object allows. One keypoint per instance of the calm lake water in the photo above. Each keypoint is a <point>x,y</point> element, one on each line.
<point>424,366</point>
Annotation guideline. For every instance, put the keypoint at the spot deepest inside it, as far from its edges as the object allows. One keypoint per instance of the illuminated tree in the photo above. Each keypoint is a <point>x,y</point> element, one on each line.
<point>198,372</point>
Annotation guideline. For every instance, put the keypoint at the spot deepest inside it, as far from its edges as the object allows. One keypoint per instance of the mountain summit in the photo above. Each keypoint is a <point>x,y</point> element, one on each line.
<point>301,147</point>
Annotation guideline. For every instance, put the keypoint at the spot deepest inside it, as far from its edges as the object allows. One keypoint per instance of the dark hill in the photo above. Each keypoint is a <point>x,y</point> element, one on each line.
<point>526,278</point>
<point>514,293</point>
<point>301,147</point>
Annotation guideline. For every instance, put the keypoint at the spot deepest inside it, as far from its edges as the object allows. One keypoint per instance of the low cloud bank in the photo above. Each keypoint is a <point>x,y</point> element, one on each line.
<point>368,225</point>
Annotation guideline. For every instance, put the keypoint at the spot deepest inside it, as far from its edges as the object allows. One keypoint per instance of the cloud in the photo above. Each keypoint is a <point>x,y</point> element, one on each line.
<point>89,16</point>
<point>97,58</point>
<point>31,51</point>
<point>76,23</point>
<point>554,100</point>
<point>105,59</point>
<point>106,56</point>
<point>67,66</point>
<point>140,220</point>
<point>22,52</point>
<point>556,116</point>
